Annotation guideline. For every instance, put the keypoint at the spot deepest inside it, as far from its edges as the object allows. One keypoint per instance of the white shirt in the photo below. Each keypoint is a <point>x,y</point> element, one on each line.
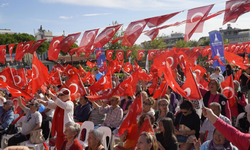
<point>2,101</point>
<point>217,76</point>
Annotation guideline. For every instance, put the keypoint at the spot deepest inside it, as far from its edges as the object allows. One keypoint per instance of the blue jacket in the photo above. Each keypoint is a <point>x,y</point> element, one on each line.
<point>82,113</point>
<point>7,119</point>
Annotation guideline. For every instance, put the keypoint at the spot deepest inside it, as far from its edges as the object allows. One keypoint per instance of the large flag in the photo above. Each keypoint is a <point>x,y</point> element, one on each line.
<point>228,89</point>
<point>19,77</point>
<point>11,47</point>
<point>133,31</point>
<point>67,42</point>
<point>7,76</point>
<point>88,40</point>
<point>53,49</point>
<point>103,83</point>
<point>195,21</point>
<point>2,54</point>
<point>36,45</point>
<point>217,48</point>
<point>21,50</point>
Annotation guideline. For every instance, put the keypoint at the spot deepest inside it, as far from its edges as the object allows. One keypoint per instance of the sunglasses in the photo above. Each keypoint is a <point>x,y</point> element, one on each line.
<point>145,103</point>
<point>31,104</point>
<point>5,103</point>
<point>60,95</point>
<point>163,104</point>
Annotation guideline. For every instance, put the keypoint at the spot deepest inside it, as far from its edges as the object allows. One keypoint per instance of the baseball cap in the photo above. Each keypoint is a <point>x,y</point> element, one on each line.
<point>64,91</point>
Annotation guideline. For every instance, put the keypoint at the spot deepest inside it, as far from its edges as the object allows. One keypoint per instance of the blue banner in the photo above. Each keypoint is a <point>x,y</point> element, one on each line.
<point>101,59</point>
<point>217,48</point>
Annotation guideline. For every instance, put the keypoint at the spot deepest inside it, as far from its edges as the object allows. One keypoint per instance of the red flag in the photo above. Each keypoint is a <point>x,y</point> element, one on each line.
<point>53,48</point>
<point>129,52</point>
<point>116,40</point>
<point>218,59</point>
<point>2,54</point>
<point>128,67</point>
<point>143,76</point>
<point>190,87</point>
<point>147,127</point>
<point>98,53</point>
<point>151,54</point>
<point>228,88</point>
<point>109,54</point>
<point>67,42</point>
<point>58,67</point>
<point>103,67</point>
<point>22,50</point>
<point>196,16</point>
<point>238,74</point>
<point>106,35</point>
<point>152,34</point>
<point>19,48</point>
<point>7,76</point>
<point>70,70</point>
<point>234,9</point>
<point>90,64</point>
<point>15,91</point>
<point>19,77</point>
<point>119,54</point>
<point>103,83</point>
<point>105,95</point>
<point>234,59</point>
<point>55,78</point>
<point>199,70</point>
<point>89,77</point>
<point>39,74</point>
<point>73,50</point>
<point>158,20</point>
<point>153,86</point>
<point>11,47</point>
<point>161,91</point>
<point>82,72</point>
<point>202,82</point>
<point>76,87</point>
<point>36,45</point>
<point>88,40</point>
<point>246,59</point>
<point>133,32</point>
<point>16,106</point>
<point>140,54</point>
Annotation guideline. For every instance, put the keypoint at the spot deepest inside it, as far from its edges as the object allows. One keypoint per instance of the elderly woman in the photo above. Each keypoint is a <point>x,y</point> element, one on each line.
<point>217,74</point>
<point>32,122</point>
<point>147,141</point>
<point>163,111</point>
<point>217,143</point>
<point>95,140</point>
<point>71,132</point>
<point>63,113</point>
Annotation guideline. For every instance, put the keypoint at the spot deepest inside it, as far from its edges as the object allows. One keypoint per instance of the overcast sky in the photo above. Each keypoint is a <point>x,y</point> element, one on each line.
<point>73,16</point>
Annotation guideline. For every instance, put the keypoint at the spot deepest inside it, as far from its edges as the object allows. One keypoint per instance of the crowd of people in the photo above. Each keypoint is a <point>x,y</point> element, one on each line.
<point>211,123</point>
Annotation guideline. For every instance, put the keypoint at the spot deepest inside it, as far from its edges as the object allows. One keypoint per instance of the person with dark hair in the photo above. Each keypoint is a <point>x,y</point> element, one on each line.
<point>213,94</point>
<point>83,110</point>
<point>173,99</point>
<point>228,71</point>
<point>166,137</point>
<point>187,123</point>
<point>147,141</point>
<point>125,104</point>
<point>31,122</point>
<point>244,82</point>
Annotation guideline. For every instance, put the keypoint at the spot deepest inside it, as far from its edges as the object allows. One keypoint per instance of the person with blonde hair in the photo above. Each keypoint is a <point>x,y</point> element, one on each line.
<point>147,141</point>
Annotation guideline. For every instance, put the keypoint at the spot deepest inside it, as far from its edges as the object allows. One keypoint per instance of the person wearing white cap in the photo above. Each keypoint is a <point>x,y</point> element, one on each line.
<point>63,113</point>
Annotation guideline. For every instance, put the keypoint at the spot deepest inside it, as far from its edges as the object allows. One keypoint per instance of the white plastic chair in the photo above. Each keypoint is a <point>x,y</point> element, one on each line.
<point>40,145</point>
<point>88,125</point>
<point>114,138</point>
<point>106,133</point>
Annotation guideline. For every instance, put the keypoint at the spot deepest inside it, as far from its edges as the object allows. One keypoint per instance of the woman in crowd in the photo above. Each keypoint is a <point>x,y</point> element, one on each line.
<point>219,142</point>
<point>125,104</point>
<point>147,141</point>
<point>96,117</point>
<point>95,140</point>
<point>82,110</point>
<point>31,122</point>
<point>187,123</point>
<point>147,106</point>
<point>71,132</point>
<point>239,139</point>
<point>240,102</point>
<point>173,100</point>
<point>166,137</point>
<point>163,111</point>
<point>217,75</point>
<point>63,113</point>
<point>228,71</point>
<point>213,95</point>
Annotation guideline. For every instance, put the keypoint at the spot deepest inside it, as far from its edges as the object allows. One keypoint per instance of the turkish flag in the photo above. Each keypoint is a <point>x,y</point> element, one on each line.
<point>76,87</point>
<point>22,50</point>
<point>199,70</point>
<point>16,106</point>
<point>161,91</point>
<point>82,72</point>
<point>158,20</point>
<point>67,42</point>
<point>151,54</point>
<point>19,77</point>
<point>195,21</point>
<point>116,40</point>
<point>11,47</point>
<point>55,78</point>
<point>53,48</point>
<point>15,91</point>
<point>98,53</point>
<point>7,76</point>
<point>140,54</point>
<point>246,59</point>
<point>182,60</point>
<point>90,64</point>
<point>19,48</point>
<point>128,67</point>
<point>147,127</point>
<point>105,95</point>
<point>88,39</point>
<point>106,35</point>
<point>218,59</point>
<point>237,75</point>
<point>129,52</point>
<point>130,122</point>
<point>103,83</point>
<point>70,71</point>
<point>133,31</point>
<point>227,87</point>
<point>35,46</point>
<point>202,82</point>
<point>109,54</point>
<point>152,88</point>
<point>152,34</point>
<point>89,77</point>
<point>58,67</point>
<point>39,74</point>
<point>73,50</point>
<point>234,9</point>
<point>234,59</point>
<point>119,54</point>
<point>190,87</point>
<point>2,54</point>
<point>103,68</point>
<point>143,76</point>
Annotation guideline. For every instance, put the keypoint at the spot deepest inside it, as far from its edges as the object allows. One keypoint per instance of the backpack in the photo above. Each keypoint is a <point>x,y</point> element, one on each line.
<point>244,124</point>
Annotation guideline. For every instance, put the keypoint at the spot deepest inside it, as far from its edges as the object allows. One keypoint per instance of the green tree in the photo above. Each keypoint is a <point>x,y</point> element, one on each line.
<point>181,43</point>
